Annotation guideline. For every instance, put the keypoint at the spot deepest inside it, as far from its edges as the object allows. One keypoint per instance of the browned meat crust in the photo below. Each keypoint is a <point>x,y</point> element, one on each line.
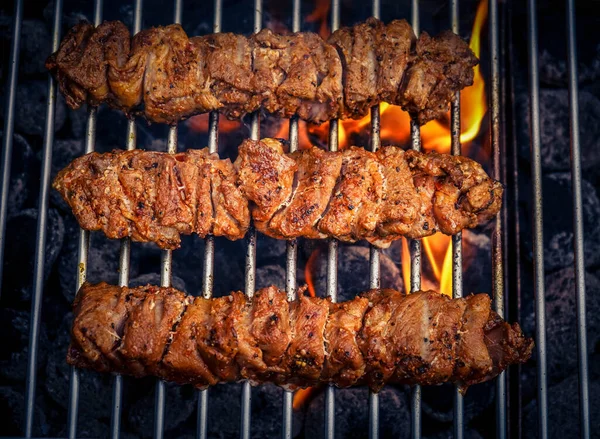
<point>348,195</point>
<point>166,76</point>
<point>355,194</point>
<point>155,197</point>
<point>380,337</point>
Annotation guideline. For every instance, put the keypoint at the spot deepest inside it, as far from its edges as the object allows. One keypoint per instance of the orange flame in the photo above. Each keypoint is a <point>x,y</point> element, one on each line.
<point>308,272</point>
<point>301,396</point>
<point>405,263</point>
<point>320,13</point>
<point>395,123</point>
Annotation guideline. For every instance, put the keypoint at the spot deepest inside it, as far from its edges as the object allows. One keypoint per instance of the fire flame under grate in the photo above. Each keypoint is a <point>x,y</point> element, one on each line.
<point>499,236</point>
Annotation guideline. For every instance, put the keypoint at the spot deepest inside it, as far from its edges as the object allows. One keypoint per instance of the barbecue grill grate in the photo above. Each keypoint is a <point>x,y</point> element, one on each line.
<point>500,233</point>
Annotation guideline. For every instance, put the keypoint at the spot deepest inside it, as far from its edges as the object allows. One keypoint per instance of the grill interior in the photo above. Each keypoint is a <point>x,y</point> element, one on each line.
<point>506,23</point>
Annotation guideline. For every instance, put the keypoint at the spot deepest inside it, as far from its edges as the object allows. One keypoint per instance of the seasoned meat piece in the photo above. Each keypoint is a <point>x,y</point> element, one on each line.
<point>171,80</point>
<point>299,73</point>
<point>270,326</point>
<point>81,65</point>
<point>374,58</point>
<point>378,353</point>
<point>165,76</point>
<point>305,354</point>
<point>379,337</point>
<point>355,205</point>
<point>100,316</point>
<point>229,63</point>
<point>317,174</point>
<point>356,47</point>
<point>183,361</point>
<point>463,193</point>
<point>400,202</point>
<point>348,195</point>
<point>394,47</point>
<point>149,328</point>
<point>344,363</point>
<point>216,337</point>
<point>231,214</point>
<point>155,197</point>
<point>266,176</point>
<point>442,66</point>
<point>475,359</point>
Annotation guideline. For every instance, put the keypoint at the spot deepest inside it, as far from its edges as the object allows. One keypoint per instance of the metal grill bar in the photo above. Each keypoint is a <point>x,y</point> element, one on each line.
<point>374,264</point>
<point>332,250</point>
<point>457,261</point>
<point>166,265</point>
<point>415,251</point>
<point>415,285</point>
<point>513,251</point>
<point>83,249</point>
<point>291,251</point>
<point>9,125</point>
<point>250,272</point>
<point>124,256</point>
<point>584,402</point>
<point>209,243</point>
<point>497,258</point>
<point>40,250</point>
<point>538,223</point>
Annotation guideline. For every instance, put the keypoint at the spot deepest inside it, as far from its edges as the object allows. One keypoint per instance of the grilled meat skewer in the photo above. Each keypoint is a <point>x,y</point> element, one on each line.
<point>379,337</point>
<point>349,195</point>
<point>165,76</point>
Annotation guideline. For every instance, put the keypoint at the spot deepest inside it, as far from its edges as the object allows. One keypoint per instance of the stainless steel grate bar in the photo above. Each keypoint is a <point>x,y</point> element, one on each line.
<point>209,242</point>
<point>374,263</point>
<point>40,250</point>
<point>584,397</point>
<point>415,250</point>
<point>84,244</point>
<point>415,285</point>
<point>538,223</point>
<point>513,243</point>
<point>332,258</point>
<point>124,256</point>
<point>166,265</point>
<point>250,272</point>
<point>9,125</point>
<point>457,261</point>
<point>332,250</point>
<point>497,257</point>
<point>291,252</point>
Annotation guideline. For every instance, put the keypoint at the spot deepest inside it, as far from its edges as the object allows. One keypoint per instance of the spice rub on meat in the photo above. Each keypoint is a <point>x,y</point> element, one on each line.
<point>166,76</point>
<point>349,195</point>
<point>155,197</point>
<point>381,336</point>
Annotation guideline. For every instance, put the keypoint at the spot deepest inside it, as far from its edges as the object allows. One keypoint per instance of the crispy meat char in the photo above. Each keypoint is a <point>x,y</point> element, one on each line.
<point>349,195</point>
<point>166,76</point>
<point>155,197</point>
<point>382,336</point>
